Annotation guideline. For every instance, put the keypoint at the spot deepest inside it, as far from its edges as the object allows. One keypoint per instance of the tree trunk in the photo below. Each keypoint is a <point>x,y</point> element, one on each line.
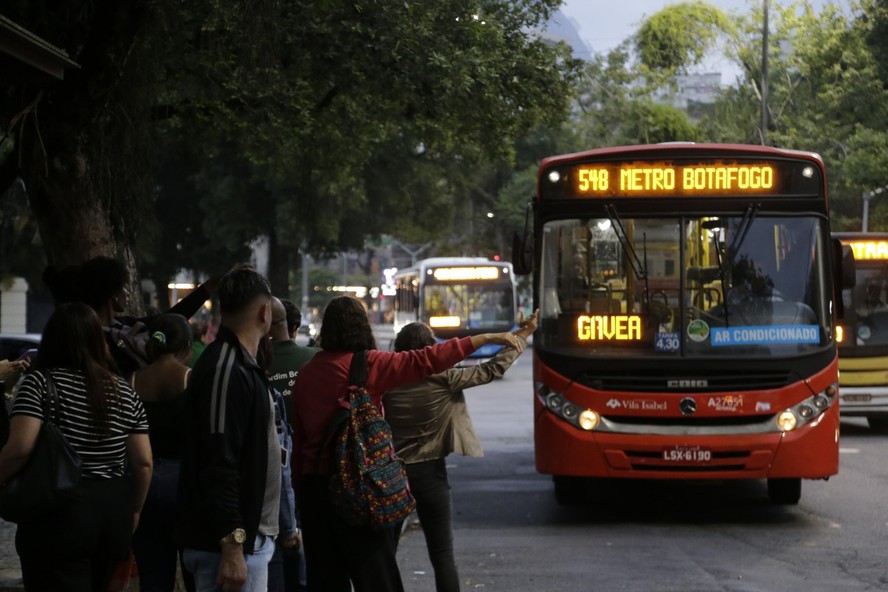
<point>278,266</point>
<point>73,224</point>
<point>84,143</point>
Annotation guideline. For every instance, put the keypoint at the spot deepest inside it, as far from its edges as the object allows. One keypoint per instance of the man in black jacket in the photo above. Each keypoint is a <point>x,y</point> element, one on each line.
<point>230,481</point>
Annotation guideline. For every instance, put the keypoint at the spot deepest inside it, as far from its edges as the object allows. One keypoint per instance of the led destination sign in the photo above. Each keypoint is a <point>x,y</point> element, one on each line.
<point>462,274</point>
<point>868,249</point>
<point>661,178</point>
<point>609,328</point>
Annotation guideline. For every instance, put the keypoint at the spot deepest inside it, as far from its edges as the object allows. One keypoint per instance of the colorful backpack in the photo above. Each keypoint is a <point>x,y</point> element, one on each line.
<point>368,485</point>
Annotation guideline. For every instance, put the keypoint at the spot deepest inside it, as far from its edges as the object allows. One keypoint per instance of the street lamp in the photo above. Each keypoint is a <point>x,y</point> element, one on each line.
<point>867,196</point>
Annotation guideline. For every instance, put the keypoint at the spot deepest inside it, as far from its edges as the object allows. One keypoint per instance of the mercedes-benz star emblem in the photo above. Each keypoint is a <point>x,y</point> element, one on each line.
<point>687,406</point>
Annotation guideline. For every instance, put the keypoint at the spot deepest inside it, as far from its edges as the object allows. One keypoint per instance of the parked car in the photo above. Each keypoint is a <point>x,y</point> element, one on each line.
<point>14,345</point>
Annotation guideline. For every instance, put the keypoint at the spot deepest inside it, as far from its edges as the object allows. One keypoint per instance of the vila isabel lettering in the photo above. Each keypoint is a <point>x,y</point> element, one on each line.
<point>777,334</point>
<point>697,178</point>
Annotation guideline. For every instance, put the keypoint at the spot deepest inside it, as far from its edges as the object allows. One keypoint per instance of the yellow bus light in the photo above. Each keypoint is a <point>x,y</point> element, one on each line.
<point>444,322</point>
<point>840,334</point>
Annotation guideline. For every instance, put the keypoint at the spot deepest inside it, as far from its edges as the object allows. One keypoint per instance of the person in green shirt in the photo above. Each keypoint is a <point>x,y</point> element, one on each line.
<point>287,567</point>
<point>289,356</point>
<point>198,340</point>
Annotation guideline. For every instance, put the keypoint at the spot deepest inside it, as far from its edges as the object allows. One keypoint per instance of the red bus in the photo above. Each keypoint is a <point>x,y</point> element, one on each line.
<point>686,295</point>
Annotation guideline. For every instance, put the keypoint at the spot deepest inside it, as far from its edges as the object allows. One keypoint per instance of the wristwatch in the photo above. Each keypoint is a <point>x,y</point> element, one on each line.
<point>236,536</point>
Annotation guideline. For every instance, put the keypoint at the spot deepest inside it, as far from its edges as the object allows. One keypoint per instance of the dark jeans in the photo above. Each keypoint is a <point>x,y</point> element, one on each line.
<point>156,550</point>
<point>337,553</point>
<point>77,548</point>
<point>285,570</point>
<point>431,489</point>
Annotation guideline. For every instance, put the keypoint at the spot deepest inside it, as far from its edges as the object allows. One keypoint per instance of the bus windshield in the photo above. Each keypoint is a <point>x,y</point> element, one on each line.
<point>737,285</point>
<point>867,304</point>
<point>483,307</point>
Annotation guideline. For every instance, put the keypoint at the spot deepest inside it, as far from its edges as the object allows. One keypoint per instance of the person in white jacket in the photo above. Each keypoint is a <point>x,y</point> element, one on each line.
<point>429,420</point>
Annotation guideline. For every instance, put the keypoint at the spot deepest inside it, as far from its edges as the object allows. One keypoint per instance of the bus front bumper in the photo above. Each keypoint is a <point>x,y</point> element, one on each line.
<point>810,452</point>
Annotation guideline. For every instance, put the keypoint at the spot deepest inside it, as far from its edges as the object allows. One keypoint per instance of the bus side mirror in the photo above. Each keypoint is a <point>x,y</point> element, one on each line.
<point>522,252</point>
<point>844,274</point>
<point>847,266</point>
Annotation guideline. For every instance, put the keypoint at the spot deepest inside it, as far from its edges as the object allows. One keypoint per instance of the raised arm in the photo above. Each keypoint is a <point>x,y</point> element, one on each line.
<point>504,339</point>
<point>529,325</point>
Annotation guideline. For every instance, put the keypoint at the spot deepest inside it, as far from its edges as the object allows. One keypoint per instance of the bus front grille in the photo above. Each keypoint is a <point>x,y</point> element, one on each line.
<point>711,382</point>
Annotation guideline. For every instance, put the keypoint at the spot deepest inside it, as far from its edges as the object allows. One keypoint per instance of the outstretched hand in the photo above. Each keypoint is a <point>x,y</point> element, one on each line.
<point>529,325</point>
<point>507,340</point>
<point>11,370</point>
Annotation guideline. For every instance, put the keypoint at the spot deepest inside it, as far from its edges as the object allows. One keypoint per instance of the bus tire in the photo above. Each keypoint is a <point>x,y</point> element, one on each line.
<point>878,423</point>
<point>786,492</point>
<point>569,491</point>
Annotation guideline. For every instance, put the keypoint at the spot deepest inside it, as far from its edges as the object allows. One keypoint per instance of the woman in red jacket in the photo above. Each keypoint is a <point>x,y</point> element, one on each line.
<point>339,555</point>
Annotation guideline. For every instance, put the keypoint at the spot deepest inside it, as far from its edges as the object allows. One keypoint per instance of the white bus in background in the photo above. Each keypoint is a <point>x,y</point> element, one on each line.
<point>457,297</point>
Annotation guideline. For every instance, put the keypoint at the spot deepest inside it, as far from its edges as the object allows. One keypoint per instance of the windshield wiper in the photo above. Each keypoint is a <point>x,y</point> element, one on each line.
<point>724,264</point>
<point>739,237</point>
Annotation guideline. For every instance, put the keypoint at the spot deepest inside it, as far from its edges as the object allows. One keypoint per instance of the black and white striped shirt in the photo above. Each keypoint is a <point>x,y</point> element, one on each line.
<point>103,456</point>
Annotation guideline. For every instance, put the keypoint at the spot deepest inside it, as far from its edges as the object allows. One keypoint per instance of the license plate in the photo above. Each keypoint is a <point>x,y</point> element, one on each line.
<point>687,454</point>
<point>857,398</point>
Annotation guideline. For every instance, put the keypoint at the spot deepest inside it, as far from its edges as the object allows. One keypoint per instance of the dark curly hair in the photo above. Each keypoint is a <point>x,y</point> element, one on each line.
<point>414,336</point>
<point>346,326</point>
<point>93,282</point>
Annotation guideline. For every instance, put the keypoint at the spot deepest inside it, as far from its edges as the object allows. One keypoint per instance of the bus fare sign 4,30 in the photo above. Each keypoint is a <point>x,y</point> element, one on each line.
<point>659,178</point>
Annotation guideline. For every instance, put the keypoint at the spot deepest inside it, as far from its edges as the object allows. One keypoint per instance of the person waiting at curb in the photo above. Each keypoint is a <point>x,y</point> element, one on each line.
<point>230,480</point>
<point>430,420</point>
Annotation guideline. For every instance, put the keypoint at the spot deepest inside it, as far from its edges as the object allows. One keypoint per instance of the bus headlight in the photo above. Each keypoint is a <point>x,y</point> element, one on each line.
<point>589,420</point>
<point>786,421</point>
<point>567,410</point>
<point>807,411</point>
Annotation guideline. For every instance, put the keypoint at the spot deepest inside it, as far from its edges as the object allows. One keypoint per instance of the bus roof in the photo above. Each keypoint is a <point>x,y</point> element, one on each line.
<point>689,148</point>
<point>860,235</point>
<point>449,262</point>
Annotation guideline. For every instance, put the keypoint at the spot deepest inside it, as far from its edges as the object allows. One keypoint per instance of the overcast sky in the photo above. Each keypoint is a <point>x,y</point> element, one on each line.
<point>603,25</point>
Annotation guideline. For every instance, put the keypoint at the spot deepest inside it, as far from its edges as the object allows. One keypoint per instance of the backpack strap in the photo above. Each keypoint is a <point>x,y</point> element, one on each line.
<point>357,376</point>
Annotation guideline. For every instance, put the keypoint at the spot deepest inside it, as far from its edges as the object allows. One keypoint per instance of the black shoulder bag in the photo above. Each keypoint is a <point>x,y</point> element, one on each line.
<point>50,477</point>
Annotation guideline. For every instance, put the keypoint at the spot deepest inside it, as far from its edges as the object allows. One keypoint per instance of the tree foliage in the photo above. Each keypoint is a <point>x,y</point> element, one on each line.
<point>374,115</point>
<point>319,123</point>
<point>826,95</point>
<point>679,36</point>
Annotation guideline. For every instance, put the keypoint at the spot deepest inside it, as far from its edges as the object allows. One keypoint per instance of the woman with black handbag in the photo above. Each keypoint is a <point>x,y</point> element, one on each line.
<point>75,546</point>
